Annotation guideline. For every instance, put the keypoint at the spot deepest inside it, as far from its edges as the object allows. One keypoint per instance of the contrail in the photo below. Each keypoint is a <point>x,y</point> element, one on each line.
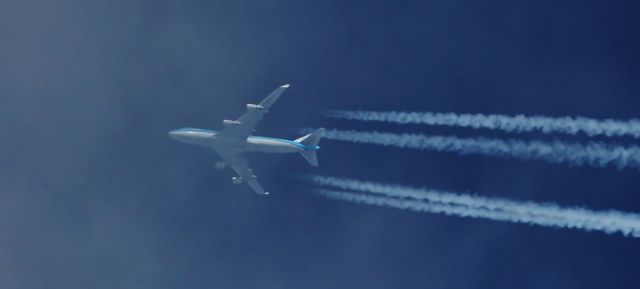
<point>517,124</point>
<point>548,215</point>
<point>592,154</point>
<point>444,197</point>
<point>461,211</point>
<point>415,205</point>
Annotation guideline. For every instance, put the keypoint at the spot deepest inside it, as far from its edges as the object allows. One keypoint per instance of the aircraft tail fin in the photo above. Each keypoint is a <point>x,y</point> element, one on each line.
<point>311,142</point>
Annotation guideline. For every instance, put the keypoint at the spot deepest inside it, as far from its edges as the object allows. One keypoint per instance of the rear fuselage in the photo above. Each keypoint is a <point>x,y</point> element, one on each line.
<point>208,138</point>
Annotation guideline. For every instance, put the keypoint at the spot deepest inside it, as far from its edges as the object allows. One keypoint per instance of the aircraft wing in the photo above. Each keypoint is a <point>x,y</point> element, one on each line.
<point>244,126</point>
<point>240,165</point>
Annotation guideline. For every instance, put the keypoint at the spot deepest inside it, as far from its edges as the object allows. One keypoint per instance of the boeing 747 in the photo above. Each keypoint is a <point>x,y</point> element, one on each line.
<point>235,140</point>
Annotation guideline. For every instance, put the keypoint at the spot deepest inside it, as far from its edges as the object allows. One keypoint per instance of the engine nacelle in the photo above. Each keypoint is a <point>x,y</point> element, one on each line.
<point>228,123</point>
<point>251,107</point>
<point>237,180</point>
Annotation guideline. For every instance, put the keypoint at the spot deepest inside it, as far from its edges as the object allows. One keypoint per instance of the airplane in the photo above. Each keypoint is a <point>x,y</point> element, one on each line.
<point>235,140</point>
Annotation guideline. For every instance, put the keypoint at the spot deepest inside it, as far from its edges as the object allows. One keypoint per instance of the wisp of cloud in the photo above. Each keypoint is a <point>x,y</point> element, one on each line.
<point>516,124</point>
<point>542,214</point>
<point>573,154</point>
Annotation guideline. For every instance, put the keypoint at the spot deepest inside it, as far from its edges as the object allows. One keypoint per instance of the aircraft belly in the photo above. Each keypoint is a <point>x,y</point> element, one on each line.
<point>269,146</point>
<point>199,140</point>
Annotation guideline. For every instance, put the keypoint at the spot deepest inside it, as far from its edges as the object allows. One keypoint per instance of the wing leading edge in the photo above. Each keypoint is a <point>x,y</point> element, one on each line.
<point>245,125</point>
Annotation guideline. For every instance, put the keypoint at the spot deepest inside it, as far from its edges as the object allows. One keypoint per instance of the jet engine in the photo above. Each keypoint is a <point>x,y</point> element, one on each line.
<point>221,165</point>
<point>228,123</point>
<point>237,180</point>
<point>251,107</point>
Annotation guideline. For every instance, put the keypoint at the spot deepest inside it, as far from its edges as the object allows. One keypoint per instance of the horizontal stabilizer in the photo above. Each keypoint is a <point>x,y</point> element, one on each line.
<point>311,157</point>
<point>310,142</point>
<point>312,139</point>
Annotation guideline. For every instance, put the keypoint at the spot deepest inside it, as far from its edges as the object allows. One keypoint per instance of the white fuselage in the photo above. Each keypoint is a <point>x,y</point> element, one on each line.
<point>208,138</point>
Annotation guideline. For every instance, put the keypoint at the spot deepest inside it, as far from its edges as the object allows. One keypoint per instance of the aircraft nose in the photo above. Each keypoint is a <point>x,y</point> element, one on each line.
<point>174,134</point>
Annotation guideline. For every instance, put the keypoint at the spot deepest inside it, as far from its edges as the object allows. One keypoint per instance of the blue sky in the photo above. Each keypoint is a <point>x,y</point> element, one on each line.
<point>94,194</point>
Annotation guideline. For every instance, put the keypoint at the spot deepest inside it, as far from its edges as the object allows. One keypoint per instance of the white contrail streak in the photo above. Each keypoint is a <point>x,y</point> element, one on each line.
<point>592,154</point>
<point>548,215</point>
<point>461,211</point>
<point>517,124</point>
<point>421,206</point>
